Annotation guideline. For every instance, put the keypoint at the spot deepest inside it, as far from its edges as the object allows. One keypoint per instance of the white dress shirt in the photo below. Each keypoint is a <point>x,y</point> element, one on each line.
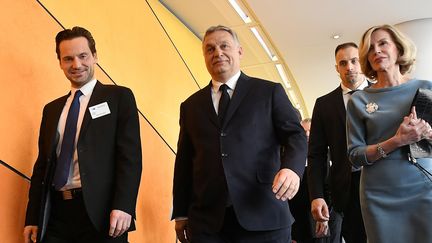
<point>74,180</point>
<point>216,95</point>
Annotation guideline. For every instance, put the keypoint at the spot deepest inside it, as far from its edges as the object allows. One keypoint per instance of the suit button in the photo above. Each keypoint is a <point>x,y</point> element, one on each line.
<point>224,155</point>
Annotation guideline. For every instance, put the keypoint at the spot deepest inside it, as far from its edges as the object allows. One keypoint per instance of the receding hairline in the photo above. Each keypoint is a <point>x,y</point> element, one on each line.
<point>213,29</point>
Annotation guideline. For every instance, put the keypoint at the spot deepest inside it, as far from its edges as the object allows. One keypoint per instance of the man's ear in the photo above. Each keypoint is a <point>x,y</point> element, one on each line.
<point>95,57</point>
<point>336,67</point>
<point>240,50</point>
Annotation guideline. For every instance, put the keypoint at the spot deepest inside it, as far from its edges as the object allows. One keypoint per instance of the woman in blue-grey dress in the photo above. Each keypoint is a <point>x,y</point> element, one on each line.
<point>395,196</point>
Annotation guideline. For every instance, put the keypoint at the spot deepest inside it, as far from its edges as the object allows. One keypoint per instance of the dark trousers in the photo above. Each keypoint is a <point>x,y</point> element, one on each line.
<point>303,227</point>
<point>353,230</point>
<point>334,224</point>
<point>233,232</point>
<point>69,223</point>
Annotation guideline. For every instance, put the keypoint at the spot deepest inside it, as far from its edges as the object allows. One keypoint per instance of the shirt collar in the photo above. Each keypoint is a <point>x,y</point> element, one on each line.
<point>346,90</point>
<point>231,83</point>
<point>87,89</point>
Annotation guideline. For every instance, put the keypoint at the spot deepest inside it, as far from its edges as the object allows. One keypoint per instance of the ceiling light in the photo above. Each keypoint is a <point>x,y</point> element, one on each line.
<point>284,78</point>
<point>336,36</point>
<point>240,11</point>
<point>263,44</point>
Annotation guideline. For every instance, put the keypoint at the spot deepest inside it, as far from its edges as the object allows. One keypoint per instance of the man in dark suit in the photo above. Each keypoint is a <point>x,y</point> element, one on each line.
<point>230,181</point>
<point>85,180</point>
<point>328,133</point>
<point>305,229</point>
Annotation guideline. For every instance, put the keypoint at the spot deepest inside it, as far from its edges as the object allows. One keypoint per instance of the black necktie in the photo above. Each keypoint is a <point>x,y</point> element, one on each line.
<point>352,91</point>
<point>68,144</point>
<point>223,102</point>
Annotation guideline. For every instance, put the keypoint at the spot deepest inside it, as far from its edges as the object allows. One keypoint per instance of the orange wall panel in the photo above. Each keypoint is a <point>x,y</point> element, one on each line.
<point>135,51</point>
<point>30,78</point>
<point>188,45</point>
<point>154,198</point>
<point>13,200</point>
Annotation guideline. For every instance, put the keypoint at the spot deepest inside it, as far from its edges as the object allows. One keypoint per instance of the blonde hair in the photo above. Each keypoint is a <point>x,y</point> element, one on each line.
<point>406,48</point>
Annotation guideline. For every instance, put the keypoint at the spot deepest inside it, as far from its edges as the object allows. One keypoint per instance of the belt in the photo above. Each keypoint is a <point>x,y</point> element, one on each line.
<point>69,194</point>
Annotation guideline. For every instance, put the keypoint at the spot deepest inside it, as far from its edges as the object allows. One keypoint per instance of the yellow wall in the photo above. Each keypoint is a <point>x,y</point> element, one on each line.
<point>140,45</point>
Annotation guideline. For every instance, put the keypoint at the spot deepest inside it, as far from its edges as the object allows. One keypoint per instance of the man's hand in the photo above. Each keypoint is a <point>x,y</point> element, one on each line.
<point>119,223</point>
<point>286,184</point>
<point>30,233</point>
<point>182,230</point>
<point>321,229</point>
<point>319,210</point>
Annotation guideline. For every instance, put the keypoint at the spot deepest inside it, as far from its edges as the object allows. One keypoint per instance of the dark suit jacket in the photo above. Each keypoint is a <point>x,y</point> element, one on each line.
<point>328,132</point>
<point>109,155</point>
<point>239,158</point>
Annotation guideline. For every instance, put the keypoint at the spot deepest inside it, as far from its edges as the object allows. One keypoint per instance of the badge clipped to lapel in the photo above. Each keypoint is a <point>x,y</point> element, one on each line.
<point>99,110</point>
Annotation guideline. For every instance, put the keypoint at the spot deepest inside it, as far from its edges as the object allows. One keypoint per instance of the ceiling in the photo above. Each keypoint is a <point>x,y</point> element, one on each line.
<point>299,33</point>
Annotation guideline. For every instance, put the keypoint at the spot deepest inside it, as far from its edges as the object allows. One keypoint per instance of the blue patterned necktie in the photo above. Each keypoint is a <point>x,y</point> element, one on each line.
<point>223,102</point>
<point>68,144</point>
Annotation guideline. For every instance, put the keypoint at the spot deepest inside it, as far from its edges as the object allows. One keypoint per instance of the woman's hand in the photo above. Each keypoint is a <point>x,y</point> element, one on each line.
<point>413,129</point>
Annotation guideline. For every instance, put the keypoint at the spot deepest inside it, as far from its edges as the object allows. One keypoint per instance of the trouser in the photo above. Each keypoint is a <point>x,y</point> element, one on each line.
<point>233,232</point>
<point>70,223</point>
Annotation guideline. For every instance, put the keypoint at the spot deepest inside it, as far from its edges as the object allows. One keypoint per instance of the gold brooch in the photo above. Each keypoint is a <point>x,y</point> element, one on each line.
<point>371,107</point>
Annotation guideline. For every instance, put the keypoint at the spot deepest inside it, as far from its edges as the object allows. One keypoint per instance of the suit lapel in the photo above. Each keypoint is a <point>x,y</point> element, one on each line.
<point>208,104</point>
<point>241,89</point>
<point>340,105</point>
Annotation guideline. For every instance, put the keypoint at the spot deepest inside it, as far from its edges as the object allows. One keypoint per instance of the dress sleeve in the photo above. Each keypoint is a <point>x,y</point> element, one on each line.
<point>356,133</point>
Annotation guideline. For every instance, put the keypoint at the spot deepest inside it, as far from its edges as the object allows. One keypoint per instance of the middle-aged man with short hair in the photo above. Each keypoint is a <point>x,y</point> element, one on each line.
<point>230,181</point>
<point>328,133</point>
<point>86,177</point>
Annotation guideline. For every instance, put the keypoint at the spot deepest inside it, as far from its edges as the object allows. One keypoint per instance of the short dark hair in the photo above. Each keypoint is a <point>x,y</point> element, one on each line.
<point>345,45</point>
<point>222,28</point>
<point>69,34</point>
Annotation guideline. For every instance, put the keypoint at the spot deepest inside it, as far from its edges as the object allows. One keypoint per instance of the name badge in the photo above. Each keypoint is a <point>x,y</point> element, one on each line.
<point>99,110</point>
